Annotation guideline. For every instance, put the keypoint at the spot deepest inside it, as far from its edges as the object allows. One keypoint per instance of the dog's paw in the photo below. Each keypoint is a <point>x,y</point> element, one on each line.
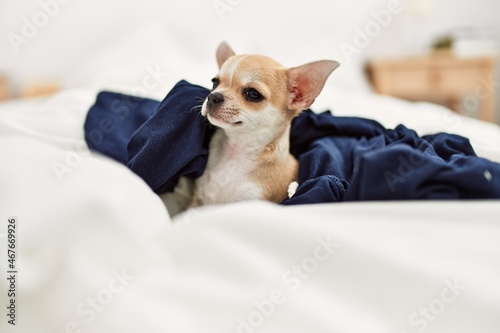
<point>292,188</point>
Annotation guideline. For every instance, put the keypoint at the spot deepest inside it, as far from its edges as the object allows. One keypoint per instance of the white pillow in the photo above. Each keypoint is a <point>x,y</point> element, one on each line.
<point>146,61</point>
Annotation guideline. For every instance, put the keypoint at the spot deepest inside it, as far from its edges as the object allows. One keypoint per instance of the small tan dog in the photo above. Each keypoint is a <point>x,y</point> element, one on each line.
<point>253,102</point>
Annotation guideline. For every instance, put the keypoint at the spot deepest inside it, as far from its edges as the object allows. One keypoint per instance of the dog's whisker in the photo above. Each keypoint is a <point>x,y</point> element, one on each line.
<point>196,108</point>
<point>246,118</point>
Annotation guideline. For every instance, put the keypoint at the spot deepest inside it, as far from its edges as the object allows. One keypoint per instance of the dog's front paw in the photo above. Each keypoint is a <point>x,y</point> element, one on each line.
<point>292,188</point>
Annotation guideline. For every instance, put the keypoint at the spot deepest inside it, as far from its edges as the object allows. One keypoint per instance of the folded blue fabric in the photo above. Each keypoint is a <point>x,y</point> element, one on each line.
<point>341,158</point>
<point>160,142</point>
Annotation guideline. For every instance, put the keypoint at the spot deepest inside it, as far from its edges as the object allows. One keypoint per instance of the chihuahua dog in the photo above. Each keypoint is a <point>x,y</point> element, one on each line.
<point>253,102</point>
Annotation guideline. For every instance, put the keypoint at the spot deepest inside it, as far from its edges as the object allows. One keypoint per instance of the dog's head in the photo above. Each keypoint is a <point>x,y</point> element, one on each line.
<point>252,91</point>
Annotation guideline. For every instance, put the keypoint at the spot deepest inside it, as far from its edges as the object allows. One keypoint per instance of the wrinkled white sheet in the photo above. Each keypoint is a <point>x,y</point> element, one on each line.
<point>99,253</point>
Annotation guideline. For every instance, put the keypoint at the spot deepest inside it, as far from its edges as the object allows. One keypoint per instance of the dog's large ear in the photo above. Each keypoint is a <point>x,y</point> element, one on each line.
<point>306,82</point>
<point>224,52</point>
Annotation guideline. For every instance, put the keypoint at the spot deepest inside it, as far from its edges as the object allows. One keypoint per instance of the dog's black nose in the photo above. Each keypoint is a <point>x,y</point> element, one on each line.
<point>215,98</point>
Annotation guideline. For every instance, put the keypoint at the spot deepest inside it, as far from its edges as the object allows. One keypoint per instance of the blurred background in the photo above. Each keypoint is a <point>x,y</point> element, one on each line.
<point>443,51</point>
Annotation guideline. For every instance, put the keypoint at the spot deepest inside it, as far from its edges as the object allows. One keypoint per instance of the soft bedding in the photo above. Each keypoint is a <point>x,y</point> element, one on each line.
<point>340,158</point>
<point>98,251</point>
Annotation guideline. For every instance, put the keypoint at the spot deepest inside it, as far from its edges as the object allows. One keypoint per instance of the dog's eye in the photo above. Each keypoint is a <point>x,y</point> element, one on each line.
<point>252,95</point>
<point>215,82</point>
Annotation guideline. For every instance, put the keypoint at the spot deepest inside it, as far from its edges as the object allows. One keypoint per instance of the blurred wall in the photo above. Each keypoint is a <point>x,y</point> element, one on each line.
<point>291,31</point>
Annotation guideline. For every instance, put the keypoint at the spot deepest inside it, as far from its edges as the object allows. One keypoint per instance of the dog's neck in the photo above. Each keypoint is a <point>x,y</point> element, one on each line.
<point>258,146</point>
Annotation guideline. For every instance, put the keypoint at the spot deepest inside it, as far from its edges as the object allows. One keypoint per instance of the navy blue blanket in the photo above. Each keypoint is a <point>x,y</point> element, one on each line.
<point>341,158</point>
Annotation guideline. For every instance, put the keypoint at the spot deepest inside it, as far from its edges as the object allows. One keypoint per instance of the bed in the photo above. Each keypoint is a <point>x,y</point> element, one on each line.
<point>98,251</point>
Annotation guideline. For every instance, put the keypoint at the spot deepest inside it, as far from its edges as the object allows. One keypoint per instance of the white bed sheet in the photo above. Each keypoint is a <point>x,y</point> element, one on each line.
<point>216,269</point>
